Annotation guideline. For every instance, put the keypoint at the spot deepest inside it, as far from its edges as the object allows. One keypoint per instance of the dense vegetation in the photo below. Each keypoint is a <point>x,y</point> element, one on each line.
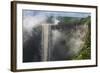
<point>85,52</point>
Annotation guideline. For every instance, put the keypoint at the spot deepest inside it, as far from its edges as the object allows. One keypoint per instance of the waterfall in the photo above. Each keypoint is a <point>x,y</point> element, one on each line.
<point>45,41</point>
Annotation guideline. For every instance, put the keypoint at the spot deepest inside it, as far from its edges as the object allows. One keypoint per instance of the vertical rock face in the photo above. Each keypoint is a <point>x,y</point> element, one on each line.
<point>65,45</point>
<point>77,41</point>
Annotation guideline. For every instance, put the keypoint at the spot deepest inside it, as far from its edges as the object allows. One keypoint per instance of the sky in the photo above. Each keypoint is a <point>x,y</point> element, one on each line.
<point>55,13</point>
